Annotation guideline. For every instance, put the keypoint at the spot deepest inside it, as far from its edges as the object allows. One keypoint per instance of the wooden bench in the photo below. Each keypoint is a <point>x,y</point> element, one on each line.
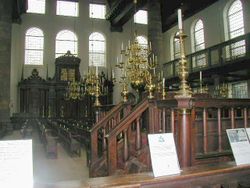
<point>50,143</point>
<point>70,142</point>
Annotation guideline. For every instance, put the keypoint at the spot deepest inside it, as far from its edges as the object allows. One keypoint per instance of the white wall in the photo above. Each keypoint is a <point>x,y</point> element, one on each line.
<point>51,25</point>
<point>213,22</point>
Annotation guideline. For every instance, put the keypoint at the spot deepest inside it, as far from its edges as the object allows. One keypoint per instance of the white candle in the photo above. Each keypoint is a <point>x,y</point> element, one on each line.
<point>179,19</point>
<point>113,73</point>
<point>163,82</point>
<point>200,76</point>
<point>117,60</point>
<point>150,46</point>
<point>122,46</point>
<point>96,70</point>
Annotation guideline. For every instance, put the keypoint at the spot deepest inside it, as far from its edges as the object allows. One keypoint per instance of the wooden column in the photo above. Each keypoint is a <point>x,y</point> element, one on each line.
<point>104,144</point>
<point>172,121</point>
<point>245,118</point>
<point>205,131</point>
<point>112,155</point>
<point>138,134</point>
<point>232,118</point>
<point>184,136</point>
<point>125,145</point>
<point>164,120</point>
<point>219,129</point>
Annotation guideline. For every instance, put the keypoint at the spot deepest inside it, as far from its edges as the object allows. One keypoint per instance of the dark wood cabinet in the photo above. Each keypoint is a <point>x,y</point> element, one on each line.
<point>46,98</point>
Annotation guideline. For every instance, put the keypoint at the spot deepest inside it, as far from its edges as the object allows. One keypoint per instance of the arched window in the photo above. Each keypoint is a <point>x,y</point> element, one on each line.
<point>36,6</point>
<point>34,46</point>
<point>199,44</point>
<point>236,28</point>
<point>143,41</point>
<point>66,41</point>
<point>176,46</point>
<point>97,49</point>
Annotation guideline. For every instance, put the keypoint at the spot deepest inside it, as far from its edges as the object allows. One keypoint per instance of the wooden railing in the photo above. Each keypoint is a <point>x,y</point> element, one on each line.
<point>234,50</point>
<point>103,127</point>
<point>200,134</point>
<point>211,118</point>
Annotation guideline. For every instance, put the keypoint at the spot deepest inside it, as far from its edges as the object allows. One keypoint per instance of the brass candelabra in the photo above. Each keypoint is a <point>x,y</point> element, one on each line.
<point>74,91</point>
<point>92,85</point>
<point>221,91</point>
<point>184,89</point>
<point>138,64</point>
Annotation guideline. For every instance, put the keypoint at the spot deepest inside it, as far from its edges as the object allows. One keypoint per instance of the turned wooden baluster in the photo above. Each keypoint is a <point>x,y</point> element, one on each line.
<point>125,145</point>
<point>164,120</point>
<point>232,118</point>
<point>245,118</point>
<point>172,121</point>
<point>138,134</point>
<point>104,144</point>
<point>219,129</point>
<point>205,131</point>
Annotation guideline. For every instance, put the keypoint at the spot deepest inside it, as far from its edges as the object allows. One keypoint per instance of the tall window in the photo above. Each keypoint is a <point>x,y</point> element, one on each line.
<point>236,28</point>
<point>199,44</point>
<point>97,49</point>
<point>66,41</point>
<point>36,6</point>
<point>142,41</point>
<point>97,11</point>
<point>239,90</point>
<point>34,46</point>
<point>141,17</point>
<point>67,8</point>
<point>176,46</point>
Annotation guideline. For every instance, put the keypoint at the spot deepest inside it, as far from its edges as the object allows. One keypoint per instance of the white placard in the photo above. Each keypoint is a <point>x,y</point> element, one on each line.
<point>163,154</point>
<point>16,165</point>
<point>240,145</point>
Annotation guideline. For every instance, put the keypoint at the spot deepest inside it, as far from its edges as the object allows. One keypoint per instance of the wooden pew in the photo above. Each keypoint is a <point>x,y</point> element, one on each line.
<point>70,142</point>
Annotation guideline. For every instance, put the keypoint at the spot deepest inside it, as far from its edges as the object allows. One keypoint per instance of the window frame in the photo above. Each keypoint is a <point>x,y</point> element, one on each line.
<point>92,52</point>
<point>28,43</point>
<point>76,13</point>
<point>42,8</point>
<point>137,17</point>
<point>74,41</point>
<point>91,15</point>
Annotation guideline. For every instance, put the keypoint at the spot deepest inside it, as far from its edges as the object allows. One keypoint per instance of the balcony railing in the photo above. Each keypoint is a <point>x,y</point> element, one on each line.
<point>221,54</point>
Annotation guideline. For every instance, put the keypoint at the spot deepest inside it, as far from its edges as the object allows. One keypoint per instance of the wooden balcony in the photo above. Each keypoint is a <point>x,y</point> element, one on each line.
<point>226,58</point>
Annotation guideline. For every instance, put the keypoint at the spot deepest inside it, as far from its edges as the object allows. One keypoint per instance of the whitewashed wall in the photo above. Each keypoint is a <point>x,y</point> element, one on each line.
<point>51,24</point>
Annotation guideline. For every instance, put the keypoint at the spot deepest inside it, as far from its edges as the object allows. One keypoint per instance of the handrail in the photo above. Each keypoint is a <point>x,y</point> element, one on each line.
<point>219,103</point>
<point>129,118</point>
<point>110,114</point>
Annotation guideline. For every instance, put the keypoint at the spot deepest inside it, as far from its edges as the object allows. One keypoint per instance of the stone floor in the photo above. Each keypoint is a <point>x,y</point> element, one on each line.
<point>58,171</point>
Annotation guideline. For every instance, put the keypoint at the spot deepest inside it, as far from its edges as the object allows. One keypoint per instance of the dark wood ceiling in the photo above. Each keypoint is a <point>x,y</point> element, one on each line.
<point>120,11</point>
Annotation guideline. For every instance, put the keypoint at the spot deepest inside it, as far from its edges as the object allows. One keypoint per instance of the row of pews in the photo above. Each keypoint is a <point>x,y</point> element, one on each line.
<point>71,134</point>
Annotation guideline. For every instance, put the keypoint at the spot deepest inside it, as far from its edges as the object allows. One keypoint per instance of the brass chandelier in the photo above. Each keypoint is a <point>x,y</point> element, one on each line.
<point>89,86</point>
<point>137,64</point>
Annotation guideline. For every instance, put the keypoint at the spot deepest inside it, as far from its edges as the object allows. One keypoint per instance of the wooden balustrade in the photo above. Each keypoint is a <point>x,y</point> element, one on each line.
<point>103,127</point>
<point>199,126</point>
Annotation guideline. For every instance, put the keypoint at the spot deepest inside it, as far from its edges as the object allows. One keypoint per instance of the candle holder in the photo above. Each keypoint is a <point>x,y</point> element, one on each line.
<point>124,92</point>
<point>184,88</point>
